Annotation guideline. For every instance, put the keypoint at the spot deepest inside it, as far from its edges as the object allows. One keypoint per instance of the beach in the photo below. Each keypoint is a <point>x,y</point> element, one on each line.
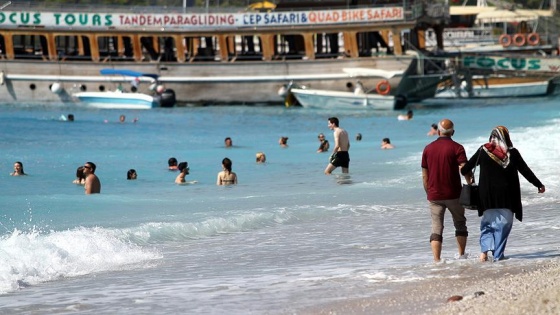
<point>532,289</point>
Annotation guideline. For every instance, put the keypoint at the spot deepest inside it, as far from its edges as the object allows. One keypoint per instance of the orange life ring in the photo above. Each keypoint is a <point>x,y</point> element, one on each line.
<point>505,40</point>
<point>383,87</point>
<point>519,39</point>
<point>533,39</point>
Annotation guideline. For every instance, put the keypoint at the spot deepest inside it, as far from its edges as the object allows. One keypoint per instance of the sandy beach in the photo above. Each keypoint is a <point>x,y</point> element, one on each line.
<point>532,289</point>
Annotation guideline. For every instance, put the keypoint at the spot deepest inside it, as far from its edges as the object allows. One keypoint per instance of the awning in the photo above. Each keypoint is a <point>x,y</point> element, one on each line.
<point>505,16</point>
<point>262,6</point>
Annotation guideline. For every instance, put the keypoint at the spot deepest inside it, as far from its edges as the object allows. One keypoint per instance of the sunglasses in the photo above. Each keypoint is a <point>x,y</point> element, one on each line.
<point>88,167</point>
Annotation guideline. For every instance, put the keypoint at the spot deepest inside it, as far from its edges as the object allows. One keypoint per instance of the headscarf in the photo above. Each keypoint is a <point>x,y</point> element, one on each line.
<point>498,146</point>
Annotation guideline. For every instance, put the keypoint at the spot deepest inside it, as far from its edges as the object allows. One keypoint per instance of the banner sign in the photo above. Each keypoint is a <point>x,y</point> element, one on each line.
<point>210,20</point>
<point>512,63</point>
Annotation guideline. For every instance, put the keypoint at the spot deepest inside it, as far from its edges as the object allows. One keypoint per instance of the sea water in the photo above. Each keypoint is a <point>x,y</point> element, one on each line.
<point>286,238</point>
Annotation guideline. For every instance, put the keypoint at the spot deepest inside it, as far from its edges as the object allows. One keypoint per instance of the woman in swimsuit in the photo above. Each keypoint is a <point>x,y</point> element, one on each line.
<point>183,168</point>
<point>18,169</point>
<point>80,176</point>
<point>226,177</point>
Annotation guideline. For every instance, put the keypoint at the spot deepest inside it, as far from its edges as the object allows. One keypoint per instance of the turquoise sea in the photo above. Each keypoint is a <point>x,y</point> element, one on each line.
<point>285,239</point>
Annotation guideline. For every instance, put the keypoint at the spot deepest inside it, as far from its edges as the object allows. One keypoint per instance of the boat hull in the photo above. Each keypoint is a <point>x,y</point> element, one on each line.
<point>116,100</point>
<point>312,98</point>
<point>539,88</point>
<point>208,83</point>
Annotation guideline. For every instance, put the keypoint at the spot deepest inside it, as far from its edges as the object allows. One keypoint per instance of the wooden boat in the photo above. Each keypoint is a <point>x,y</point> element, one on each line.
<point>119,98</point>
<point>205,58</point>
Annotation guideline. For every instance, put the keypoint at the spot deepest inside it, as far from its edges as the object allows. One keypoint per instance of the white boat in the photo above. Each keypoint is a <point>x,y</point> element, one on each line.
<point>117,100</point>
<point>325,99</point>
<point>120,99</point>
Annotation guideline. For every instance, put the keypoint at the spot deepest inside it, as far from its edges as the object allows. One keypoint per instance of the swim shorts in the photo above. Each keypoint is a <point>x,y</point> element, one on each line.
<point>340,158</point>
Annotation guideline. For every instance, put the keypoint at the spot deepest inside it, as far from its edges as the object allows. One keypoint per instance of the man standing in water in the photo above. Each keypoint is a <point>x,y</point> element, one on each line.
<point>340,156</point>
<point>441,163</point>
<point>92,185</point>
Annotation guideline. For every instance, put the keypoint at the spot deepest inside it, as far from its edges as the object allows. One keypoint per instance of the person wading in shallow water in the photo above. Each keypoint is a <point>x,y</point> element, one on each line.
<point>441,163</point>
<point>340,156</point>
<point>226,176</point>
<point>500,194</point>
<point>92,184</point>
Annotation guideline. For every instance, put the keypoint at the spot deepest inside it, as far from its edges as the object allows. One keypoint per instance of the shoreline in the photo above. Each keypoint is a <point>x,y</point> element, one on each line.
<point>532,288</point>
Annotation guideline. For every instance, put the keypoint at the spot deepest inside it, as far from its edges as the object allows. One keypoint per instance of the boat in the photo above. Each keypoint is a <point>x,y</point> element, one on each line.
<point>496,53</point>
<point>119,98</point>
<point>496,87</point>
<point>207,57</point>
<point>375,88</point>
<point>323,99</point>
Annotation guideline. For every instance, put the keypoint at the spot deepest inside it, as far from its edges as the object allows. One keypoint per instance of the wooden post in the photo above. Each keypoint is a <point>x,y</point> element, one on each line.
<point>397,45</point>
<point>180,48</point>
<point>80,42</point>
<point>223,43</point>
<point>51,46</point>
<point>136,48</point>
<point>308,39</point>
<point>120,45</point>
<point>421,35</point>
<point>8,45</point>
<point>94,46</point>
<point>351,44</point>
<point>268,46</point>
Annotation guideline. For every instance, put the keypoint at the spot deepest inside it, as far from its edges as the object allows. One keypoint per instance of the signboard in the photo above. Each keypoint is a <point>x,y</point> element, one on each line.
<point>210,20</point>
<point>511,63</point>
<point>453,37</point>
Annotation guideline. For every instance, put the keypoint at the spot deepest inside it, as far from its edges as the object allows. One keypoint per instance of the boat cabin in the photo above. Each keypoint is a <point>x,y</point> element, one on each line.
<point>291,30</point>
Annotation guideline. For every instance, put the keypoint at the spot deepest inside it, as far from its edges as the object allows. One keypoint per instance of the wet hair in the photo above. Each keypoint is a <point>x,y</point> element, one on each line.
<point>20,164</point>
<point>80,172</point>
<point>226,162</point>
<point>183,166</point>
<point>434,126</point>
<point>172,161</point>
<point>260,155</point>
<point>70,117</point>
<point>333,120</point>
<point>284,140</point>
<point>359,137</point>
<point>130,173</point>
<point>409,113</point>
<point>92,166</point>
<point>386,140</point>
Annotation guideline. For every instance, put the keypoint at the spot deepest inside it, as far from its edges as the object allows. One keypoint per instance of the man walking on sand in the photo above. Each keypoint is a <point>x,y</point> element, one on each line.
<point>340,156</point>
<point>92,185</point>
<point>441,163</point>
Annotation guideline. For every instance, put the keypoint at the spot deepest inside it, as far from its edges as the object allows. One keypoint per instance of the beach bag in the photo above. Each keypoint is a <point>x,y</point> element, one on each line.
<point>470,197</point>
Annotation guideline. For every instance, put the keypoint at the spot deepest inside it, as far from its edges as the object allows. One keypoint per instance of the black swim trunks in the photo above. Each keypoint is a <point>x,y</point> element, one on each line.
<point>340,158</point>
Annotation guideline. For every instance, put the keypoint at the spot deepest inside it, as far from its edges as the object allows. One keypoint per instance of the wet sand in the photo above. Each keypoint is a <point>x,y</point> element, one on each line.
<point>530,289</point>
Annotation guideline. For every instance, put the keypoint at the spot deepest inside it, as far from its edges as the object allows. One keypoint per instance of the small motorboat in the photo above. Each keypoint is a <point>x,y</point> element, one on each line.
<point>121,99</point>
